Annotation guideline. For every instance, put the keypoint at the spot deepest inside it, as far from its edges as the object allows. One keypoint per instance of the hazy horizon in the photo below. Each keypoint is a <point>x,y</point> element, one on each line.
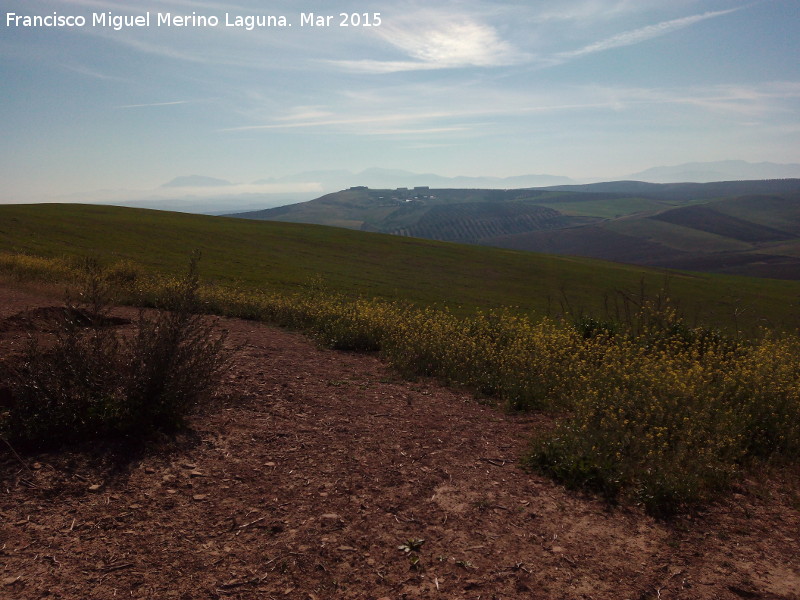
<point>586,89</point>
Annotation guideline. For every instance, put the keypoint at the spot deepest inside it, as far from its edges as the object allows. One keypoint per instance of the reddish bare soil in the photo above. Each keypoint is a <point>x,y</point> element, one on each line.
<point>303,481</point>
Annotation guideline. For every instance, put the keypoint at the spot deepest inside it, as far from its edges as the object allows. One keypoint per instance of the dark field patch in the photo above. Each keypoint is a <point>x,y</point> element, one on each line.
<point>593,241</point>
<point>709,220</point>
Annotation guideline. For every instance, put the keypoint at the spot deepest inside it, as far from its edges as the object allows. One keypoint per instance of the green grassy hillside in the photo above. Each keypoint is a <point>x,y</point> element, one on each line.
<point>286,257</point>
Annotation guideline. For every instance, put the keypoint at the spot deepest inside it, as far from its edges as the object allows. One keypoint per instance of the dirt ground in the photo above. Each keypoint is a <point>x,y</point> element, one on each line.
<point>307,477</point>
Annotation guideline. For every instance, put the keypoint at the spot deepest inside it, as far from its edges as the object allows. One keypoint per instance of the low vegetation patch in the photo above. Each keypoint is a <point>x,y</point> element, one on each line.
<point>648,410</point>
<point>91,382</point>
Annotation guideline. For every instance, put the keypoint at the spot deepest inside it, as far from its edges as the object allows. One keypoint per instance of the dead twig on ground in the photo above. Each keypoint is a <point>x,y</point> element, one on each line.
<point>497,462</point>
<point>258,520</point>
<point>115,567</point>
<point>18,457</point>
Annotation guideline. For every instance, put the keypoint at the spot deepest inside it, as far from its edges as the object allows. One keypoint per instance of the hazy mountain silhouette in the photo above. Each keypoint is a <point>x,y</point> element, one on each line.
<point>196,181</point>
<point>725,170</point>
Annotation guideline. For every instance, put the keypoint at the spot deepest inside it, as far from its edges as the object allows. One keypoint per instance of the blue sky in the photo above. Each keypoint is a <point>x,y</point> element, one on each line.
<point>582,88</point>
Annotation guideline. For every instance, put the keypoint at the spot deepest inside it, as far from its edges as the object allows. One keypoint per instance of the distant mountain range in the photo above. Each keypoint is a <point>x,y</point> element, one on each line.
<point>212,195</point>
<point>726,170</point>
<point>393,178</point>
<point>196,181</point>
<point>338,179</point>
<point>700,172</point>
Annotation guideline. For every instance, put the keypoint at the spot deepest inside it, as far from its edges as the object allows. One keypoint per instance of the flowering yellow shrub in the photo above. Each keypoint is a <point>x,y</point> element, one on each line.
<point>24,267</point>
<point>669,416</point>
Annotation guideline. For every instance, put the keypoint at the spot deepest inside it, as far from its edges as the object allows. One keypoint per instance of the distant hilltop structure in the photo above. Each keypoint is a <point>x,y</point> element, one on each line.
<point>420,192</point>
<point>401,194</point>
<point>417,188</point>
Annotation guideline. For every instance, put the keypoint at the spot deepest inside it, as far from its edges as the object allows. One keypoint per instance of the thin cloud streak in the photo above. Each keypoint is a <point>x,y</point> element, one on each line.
<point>92,73</point>
<point>427,131</point>
<point>386,66</point>
<point>637,36</point>
<point>396,118</point>
<point>142,7</point>
<point>765,99</point>
<point>742,100</point>
<point>305,113</point>
<point>154,104</point>
<point>590,10</point>
<point>419,117</point>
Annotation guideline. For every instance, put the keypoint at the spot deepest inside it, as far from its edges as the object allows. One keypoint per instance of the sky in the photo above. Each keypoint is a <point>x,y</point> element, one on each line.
<point>579,88</point>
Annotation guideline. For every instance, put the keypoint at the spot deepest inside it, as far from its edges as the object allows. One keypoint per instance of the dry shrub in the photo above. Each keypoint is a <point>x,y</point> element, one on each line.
<point>91,382</point>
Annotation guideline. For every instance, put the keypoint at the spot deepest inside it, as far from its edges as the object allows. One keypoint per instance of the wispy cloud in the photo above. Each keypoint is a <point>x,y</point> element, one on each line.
<point>458,110</point>
<point>162,5</point>
<point>760,101</point>
<point>380,119</point>
<point>435,40</point>
<point>418,131</point>
<point>106,5</point>
<point>305,113</point>
<point>464,42</point>
<point>581,11</point>
<point>420,121</point>
<point>94,74</point>
<point>763,100</point>
<point>637,36</point>
<point>154,104</point>
<point>387,66</point>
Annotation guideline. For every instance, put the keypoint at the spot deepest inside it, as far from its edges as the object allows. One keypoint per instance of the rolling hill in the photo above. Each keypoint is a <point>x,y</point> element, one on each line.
<point>287,257</point>
<point>751,235</point>
<point>737,227</point>
<point>439,214</point>
<point>686,192</point>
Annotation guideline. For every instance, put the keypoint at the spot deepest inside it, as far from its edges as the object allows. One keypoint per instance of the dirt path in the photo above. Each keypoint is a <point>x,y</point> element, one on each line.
<point>320,464</point>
